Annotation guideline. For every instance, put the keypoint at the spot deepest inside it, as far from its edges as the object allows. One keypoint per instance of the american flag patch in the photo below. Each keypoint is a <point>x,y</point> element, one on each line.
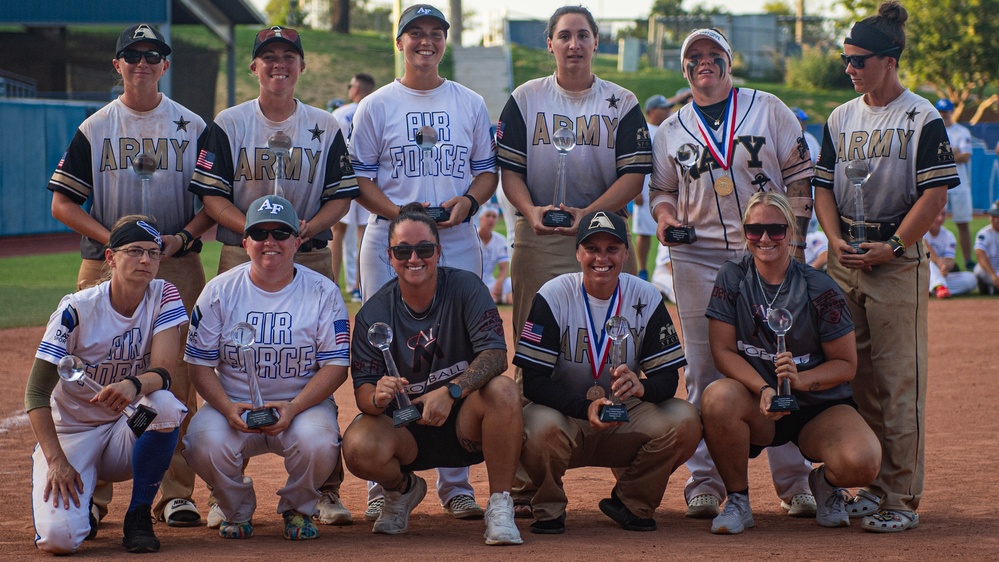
<point>342,330</point>
<point>61,161</point>
<point>532,332</point>
<point>499,130</point>
<point>206,159</point>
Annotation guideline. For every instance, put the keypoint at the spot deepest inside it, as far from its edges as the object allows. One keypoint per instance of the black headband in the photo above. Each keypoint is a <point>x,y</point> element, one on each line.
<point>867,36</point>
<point>138,231</point>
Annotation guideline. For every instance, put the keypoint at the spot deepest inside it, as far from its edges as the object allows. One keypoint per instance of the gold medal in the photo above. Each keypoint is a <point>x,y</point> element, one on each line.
<point>724,186</point>
<point>596,392</point>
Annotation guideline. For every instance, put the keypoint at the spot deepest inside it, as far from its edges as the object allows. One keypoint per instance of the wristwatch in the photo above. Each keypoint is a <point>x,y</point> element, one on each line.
<point>454,390</point>
<point>896,245</point>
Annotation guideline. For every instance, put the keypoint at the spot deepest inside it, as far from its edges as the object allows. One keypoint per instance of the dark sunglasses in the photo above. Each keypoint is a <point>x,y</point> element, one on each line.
<point>755,232</point>
<point>404,251</point>
<point>131,56</point>
<point>282,32</point>
<point>858,61</point>
<point>260,234</point>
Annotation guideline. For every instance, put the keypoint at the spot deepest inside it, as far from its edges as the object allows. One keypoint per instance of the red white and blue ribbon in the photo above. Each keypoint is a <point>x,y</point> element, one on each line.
<point>600,347</point>
<point>721,150</point>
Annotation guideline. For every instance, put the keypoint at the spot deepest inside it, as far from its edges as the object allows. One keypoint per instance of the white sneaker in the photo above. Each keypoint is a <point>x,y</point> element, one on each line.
<point>394,519</point>
<point>704,506</point>
<point>802,505</point>
<point>831,505</point>
<point>331,511</point>
<point>735,518</point>
<point>215,517</point>
<point>500,527</point>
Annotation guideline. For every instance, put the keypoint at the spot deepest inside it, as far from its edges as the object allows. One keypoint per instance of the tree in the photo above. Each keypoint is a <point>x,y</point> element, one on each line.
<point>952,45</point>
<point>340,15</point>
<point>777,8</point>
<point>668,8</point>
<point>285,12</point>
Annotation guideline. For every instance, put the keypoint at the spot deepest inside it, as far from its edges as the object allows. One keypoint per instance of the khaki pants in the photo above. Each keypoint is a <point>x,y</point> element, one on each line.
<point>188,275</point>
<point>643,452</point>
<point>888,305</point>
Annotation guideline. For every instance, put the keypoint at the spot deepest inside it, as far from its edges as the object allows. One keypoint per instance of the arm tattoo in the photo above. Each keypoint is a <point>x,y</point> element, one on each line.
<point>488,364</point>
<point>814,387</point>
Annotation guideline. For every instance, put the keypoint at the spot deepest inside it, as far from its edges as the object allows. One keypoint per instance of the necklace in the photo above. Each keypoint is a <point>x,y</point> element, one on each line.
<point>409,311</point>
<point>759,281</point>
<point>716,120</point>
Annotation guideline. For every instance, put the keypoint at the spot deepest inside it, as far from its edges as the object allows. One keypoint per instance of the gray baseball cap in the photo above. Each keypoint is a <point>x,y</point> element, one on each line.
<point>657,101</point>
<point>993,210</point>
<point>418,11</point>
<point>271,208</point>
<point>602,221</point>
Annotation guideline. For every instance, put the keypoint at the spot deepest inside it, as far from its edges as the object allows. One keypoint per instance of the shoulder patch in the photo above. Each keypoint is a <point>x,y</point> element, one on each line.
<point>70,318</point>
<point>196,316</point>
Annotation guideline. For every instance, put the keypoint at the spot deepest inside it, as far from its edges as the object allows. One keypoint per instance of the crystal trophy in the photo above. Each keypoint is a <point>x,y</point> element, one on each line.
<point>72,369</point>
<point>426,140</point>
<point>564,140</point>
<point>858,172</point>
<point>380,336</point>
<point>280,146</point>
<point>779,320</point>
<point>618,330</point>
<point>144,166</point>
<point>243,335</point>
<point>686,157</point>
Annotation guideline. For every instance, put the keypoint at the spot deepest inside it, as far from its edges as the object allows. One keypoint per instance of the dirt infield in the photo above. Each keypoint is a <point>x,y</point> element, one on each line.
<point>959,513</point>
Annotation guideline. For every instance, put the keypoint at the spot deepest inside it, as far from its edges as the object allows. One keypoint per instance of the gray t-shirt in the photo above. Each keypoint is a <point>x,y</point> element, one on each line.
<point>433,347</point>
<point>817,306</point>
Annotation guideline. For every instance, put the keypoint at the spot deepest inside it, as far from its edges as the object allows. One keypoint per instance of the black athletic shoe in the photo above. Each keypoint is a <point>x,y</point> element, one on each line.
<point>94,522</point>
<point>613,508</point>
<point>138,534</point>
<point>550,527</point>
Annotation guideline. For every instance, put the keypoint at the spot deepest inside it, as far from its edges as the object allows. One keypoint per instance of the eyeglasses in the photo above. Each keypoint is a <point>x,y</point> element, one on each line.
<point>276,31</point>
<point>755,232</point>
<point>858,61</point>
<point>260,234</point>
<point>131,56</point>
<point>404,251</point>
<point>134,252</point>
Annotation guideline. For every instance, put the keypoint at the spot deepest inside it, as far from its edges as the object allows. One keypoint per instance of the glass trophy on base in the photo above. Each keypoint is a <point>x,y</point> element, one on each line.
<point>280,146</point>
<point>243,335</point>
<point>144,166</point>
<point>426,140</point>
<point>779,320</point>
<point>380,336</point>
<point>618,330</point>
<point>858,172</point>
<point>564,140</point>
<point>72,369</point>
<point>686,156</point>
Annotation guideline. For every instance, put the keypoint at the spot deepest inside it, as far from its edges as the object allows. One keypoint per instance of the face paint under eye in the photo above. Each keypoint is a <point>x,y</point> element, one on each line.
<point>690,68</point>
<point>721,66</point>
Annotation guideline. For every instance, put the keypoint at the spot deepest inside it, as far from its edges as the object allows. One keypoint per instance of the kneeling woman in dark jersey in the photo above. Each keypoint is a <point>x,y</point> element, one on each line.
<point>820,360</point>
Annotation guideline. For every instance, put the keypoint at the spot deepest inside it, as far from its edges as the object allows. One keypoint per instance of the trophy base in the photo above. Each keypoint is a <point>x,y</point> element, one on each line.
<point>141,419</point>
<point>557,219</point>
<point>614,413</point>
<point>261,418</point>
<point>439,214</point>
<point>680,235</point>
<point>856,246</point>
<point>783,403</point>
<point>405,416</point>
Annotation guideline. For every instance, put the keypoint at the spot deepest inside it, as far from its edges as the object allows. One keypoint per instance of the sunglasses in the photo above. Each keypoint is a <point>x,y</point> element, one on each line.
<point>131,56</point>
<point>282,32</point>
<point>755,232</point>
<point>260,234</point>
<point>404,251</point>
<point>858,61</point>
<point>154,253</point>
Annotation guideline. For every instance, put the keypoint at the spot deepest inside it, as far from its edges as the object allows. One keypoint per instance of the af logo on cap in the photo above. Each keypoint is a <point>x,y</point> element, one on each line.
<point>422,11</point>
<point>274,208</point>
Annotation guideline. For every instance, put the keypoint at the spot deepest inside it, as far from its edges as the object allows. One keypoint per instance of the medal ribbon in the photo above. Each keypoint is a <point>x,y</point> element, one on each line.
<point>721,151</point>
<point>599,348</point>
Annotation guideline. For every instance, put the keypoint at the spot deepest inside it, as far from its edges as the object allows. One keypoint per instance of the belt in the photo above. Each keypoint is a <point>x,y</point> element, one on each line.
<point>312,245</point>
<point>875,231</point>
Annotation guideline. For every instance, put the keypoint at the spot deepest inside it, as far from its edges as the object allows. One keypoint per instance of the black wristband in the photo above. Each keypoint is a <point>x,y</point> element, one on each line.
<point>136,382</point>
<point>187,237</point>
<point>475,205</point>
<point>164,374</point>
<point>766,386</point>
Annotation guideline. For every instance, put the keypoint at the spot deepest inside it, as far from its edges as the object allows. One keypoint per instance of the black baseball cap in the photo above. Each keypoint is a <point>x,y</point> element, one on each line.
<point>139,33</point>
<point>418,11</point>
<point>602,221</point>
<point>274,35</point>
